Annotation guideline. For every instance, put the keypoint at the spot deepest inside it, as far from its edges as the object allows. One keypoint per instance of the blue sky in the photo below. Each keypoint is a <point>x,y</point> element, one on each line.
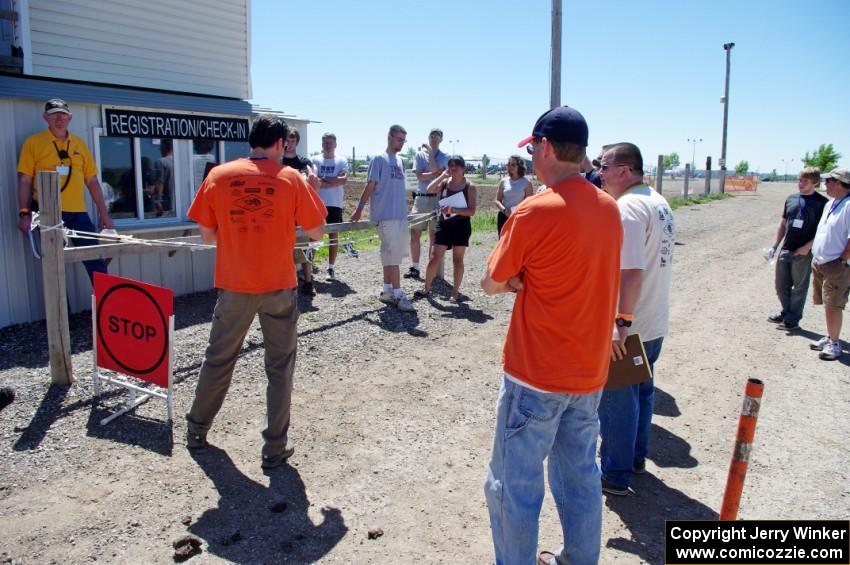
<point>650,72</point>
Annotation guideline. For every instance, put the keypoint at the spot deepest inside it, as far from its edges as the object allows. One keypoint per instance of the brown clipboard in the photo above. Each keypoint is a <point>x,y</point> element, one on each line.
<point>632,369</point>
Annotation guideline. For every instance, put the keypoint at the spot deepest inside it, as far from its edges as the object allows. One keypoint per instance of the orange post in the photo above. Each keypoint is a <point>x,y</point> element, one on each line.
<point>743,446</point>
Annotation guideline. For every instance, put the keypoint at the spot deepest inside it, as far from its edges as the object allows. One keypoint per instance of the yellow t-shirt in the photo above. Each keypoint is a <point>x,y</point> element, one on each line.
<point>40,152</point>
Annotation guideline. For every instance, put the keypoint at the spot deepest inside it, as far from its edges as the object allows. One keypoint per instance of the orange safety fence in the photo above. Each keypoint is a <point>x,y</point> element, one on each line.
<point>748,183</point>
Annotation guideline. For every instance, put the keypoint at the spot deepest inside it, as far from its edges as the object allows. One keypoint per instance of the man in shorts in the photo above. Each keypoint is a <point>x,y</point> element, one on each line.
<point>430,163</point>
<point>332,172</point>
<point>831,253</point>
<point>388,210</point>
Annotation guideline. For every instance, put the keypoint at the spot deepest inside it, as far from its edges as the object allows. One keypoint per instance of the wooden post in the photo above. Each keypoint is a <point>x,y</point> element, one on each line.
<point>687,178</point>
<point>659,174</point>
<point>53,273</point>
<point>708,175</point>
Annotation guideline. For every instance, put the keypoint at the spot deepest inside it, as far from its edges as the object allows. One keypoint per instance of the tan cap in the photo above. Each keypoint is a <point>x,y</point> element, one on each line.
<point>841,175</point>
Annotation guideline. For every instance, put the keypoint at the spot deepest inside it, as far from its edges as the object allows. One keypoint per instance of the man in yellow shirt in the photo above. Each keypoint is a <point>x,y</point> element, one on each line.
<point>57,149</point>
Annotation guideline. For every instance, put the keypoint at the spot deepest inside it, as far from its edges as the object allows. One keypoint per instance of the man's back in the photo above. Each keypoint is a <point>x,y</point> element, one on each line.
<point>255,205</point>
<point>566,243</point>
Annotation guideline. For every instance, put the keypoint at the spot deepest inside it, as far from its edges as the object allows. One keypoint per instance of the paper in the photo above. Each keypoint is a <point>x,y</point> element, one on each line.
<point>456,200</point>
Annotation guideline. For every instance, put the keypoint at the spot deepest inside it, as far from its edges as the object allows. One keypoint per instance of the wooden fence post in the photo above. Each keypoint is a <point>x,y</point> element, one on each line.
<point>659,174</point>
<point>687,179</point>
<point>53,273</point>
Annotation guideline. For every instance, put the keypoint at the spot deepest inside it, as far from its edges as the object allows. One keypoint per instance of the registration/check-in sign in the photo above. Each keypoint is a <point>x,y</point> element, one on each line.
<point>132,327</point>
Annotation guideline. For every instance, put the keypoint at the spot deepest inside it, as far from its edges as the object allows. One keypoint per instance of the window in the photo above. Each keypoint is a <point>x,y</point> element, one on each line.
<point>118,180</point>
<point>205,156</point>
<point>236,149</point>
<point>157,177</point>
<point>137,176</point>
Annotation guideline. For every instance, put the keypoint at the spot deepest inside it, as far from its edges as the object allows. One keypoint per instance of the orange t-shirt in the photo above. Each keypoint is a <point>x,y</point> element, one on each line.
<point>255,204</point>
<point>566,243</point>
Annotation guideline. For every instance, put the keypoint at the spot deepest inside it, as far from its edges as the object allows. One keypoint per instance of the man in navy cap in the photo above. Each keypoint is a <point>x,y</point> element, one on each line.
<point>57,149</point>
<point>560,252</point>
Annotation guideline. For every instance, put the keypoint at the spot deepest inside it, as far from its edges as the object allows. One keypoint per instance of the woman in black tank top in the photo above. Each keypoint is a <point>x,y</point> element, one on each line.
<point>454,226</point>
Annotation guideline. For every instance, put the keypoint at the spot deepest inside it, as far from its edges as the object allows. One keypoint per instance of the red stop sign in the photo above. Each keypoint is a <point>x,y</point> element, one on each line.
<point>132,327</point>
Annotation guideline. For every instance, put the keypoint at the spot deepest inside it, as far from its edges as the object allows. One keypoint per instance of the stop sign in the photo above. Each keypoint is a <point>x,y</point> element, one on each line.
<point>132,327</point>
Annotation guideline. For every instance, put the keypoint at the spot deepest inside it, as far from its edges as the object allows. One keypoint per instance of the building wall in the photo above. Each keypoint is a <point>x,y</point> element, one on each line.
<point>195,47</point>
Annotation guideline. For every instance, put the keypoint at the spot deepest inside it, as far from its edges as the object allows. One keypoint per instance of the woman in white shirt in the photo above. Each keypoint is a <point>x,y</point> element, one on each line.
<point>513,189</point>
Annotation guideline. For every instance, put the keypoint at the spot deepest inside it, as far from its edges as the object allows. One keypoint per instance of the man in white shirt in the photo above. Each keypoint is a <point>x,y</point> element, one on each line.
<point>333,172</point>
<point>830,268</point>
<point>625,414</point>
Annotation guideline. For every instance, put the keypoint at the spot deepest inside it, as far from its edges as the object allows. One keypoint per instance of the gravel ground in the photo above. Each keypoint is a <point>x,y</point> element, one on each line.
<point>392,424</point>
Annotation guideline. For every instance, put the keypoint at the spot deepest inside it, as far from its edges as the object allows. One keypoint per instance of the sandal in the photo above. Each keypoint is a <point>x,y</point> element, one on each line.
<point>545,558</point>
<point>420,294</point>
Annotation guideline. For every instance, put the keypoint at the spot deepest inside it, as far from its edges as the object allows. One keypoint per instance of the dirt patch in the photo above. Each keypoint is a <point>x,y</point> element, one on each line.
<point>392,425</point>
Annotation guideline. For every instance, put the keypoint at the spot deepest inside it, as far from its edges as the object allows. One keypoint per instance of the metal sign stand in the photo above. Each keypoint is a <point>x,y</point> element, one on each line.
<point>133,401</point>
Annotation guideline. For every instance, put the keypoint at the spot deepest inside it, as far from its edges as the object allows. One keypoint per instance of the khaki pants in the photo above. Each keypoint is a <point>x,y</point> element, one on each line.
<point>232,317</point>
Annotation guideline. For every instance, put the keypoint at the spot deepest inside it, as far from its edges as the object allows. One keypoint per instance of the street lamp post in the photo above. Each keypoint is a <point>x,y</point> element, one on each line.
<point>694,142</point>
<point>453,141</point>
<point>728,48</point>
<point>785,175</point>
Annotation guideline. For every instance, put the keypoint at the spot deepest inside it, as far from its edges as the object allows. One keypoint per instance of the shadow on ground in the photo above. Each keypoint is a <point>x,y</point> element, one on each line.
<point>644,514</point>
<point>254,523</point>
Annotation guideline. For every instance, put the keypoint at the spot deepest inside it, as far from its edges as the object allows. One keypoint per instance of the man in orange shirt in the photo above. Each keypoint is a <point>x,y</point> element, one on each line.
<point>250,207</point>
<point>560,251</point>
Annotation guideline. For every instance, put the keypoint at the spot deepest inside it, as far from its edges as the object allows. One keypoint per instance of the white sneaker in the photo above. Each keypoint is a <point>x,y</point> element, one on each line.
<point>387,297</point>
<point>404,305</point>
<point>818,345</point>
<point>831,351</point>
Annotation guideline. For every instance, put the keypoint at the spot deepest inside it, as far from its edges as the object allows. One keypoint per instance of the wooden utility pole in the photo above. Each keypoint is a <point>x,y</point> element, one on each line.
<point>53,273</point>
<point>555,74</point>
<point>728,48</point>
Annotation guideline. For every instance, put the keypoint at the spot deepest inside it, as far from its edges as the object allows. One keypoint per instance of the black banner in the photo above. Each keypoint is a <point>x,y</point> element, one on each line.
<point>133,123</point>
<point>761,542</point>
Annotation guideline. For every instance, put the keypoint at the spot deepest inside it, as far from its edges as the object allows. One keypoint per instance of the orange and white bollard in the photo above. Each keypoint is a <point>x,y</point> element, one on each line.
<point>743,446</point>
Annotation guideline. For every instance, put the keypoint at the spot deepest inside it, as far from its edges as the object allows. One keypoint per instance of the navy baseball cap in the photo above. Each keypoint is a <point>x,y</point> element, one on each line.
<point>562,124</point>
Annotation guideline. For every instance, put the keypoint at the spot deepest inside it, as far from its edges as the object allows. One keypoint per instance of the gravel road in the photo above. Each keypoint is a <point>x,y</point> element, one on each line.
<point>392,424</point>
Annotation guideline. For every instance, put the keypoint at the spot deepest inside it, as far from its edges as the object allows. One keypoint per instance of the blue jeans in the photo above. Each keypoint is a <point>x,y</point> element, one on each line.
<point>81,221</point>
<point>531,426</point>
<point>792,284</point>
<point>625,418</point>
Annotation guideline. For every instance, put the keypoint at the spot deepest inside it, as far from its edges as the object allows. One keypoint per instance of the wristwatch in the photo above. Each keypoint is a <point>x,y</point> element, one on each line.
<point>623,323</point>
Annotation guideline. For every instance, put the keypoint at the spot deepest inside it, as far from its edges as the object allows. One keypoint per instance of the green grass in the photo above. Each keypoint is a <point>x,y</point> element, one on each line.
<point>680,202</point>
<point>360,242</point>
<point>484,222</point>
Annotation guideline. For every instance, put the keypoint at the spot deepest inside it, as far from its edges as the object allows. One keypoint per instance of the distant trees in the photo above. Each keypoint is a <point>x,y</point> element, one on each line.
<point>742,168</point>
<point>824,158</point>
<point>671,161</point>
<point>774,175</point>
<point>485,161</point>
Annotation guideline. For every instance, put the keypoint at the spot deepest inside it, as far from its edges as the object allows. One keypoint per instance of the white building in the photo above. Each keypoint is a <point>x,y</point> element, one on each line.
<point>140,77</point>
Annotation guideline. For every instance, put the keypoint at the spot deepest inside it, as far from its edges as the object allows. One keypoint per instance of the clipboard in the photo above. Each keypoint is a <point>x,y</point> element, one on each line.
<point>632,369</point>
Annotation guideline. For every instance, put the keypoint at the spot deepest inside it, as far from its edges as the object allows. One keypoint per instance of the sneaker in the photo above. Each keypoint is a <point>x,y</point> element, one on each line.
<point>611,488</point>
<point>196,441</point>
<point>272,461</point>
<point>831,351</point>
<point>331,274</point>
<point>819,344</point>
<point>639,467</point>
<point>412,273</point>
<point>7,395</point>
<point>546,558</point>
<point>775,319</point>
<point>307,289</point>
<point>788,326</point>
<point>404,305</point>
<point>387,297</point>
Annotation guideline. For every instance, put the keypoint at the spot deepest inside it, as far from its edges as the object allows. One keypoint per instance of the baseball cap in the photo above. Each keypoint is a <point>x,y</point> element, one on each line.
<point>55,105</point>
<point>438,131</point>
<point>562,124</point>
<point>841,175</point>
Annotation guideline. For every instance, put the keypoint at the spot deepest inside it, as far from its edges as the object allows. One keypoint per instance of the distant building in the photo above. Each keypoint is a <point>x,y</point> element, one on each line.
<point>159,93</point>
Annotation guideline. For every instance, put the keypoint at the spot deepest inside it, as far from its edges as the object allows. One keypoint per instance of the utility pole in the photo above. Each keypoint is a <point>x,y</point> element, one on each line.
<point>728,48</point>
<point>555,73</point>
